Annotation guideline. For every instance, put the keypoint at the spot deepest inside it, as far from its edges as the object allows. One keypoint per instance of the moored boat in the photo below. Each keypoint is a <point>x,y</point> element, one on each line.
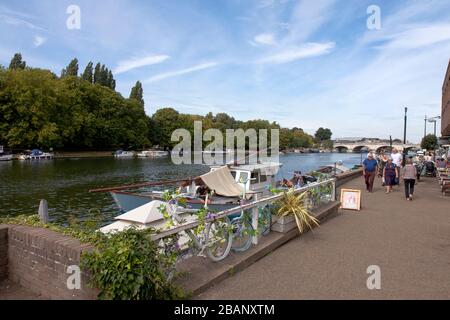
<point>228,183</point>
<point>36,154</point>
<point>4,155</point>
<point>153,154</point>
<point>123,154</point>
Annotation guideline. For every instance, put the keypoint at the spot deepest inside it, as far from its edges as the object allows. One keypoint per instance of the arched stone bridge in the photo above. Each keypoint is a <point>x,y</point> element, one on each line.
<point>377,147</point>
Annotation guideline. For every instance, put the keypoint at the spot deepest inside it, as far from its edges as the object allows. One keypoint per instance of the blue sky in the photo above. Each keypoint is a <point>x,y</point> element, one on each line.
<point>304,63</point>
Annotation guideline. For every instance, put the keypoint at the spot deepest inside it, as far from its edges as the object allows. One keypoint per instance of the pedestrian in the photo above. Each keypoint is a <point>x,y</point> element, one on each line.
<point>409,178</point>
<point>397,159</point>
<point>381,164</point>
<point>370,166</point>
<point>390,174</point>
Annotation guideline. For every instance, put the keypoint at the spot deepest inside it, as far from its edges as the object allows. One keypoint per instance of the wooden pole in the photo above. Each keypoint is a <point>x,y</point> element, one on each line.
<point>140,185</point>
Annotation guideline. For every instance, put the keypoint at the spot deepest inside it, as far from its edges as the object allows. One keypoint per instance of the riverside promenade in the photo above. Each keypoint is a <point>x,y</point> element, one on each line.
<point>409,241</point>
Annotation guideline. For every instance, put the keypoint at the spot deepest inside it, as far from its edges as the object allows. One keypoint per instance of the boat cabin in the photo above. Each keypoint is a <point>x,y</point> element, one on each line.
<point>254,177</point>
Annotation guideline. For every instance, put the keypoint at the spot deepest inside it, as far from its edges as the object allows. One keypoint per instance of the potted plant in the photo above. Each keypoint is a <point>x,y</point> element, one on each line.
<point>293,209</point>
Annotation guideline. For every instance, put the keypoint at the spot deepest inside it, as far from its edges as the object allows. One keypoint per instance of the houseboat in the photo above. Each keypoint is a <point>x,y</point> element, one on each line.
<point>229,185</point>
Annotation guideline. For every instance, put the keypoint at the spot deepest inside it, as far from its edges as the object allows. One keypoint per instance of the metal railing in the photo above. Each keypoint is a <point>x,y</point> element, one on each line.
<point>254,206</point>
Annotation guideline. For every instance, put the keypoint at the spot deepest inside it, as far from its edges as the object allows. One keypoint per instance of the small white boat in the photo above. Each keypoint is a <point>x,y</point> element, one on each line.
<point>5,156</point>
<point>123,154</point>
<point>36,154</point>
<point>217,151</point>
<point>153,154</point>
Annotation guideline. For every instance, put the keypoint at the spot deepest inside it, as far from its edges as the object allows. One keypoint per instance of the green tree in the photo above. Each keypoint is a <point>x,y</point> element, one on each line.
<point>429,142</point>
<point>88,73</point>
<point>37,109</point>
<point>71,69</point>
<point>166,120</point>
<point>137,93</point>
<point>111,82</point>
<point>97,72</point>
<point>328,144</point>
<point>103,79</point>
<point>17,63</point>
<point>323,134</point>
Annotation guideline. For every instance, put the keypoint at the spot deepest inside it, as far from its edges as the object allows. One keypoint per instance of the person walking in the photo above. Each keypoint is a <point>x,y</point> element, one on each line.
<point>409,178</point>
<point>390,173</point>
<point>381,164</point>
<point>370,166</point>
<point>397,159</point>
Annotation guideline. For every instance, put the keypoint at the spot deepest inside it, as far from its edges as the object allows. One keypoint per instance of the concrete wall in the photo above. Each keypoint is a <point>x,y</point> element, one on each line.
<point>38,260</point>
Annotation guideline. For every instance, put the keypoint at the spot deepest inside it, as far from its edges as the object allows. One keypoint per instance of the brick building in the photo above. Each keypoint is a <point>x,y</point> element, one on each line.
<point>445,116</point>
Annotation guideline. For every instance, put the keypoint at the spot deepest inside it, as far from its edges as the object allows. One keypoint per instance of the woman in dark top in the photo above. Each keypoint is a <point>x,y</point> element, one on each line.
<point>390,172</point>
<point>382,163</point>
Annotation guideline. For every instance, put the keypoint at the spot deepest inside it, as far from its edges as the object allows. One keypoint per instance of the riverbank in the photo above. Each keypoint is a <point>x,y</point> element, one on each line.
<point>82,154</point>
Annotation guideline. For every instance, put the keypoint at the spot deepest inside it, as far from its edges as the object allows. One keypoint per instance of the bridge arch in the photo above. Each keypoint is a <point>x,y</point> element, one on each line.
<point>359,149</point>
<point>341,149</point>
<point>383,148</point>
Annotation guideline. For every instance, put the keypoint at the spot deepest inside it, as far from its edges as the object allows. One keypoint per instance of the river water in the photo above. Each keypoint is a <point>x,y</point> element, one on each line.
<point>65,183</point>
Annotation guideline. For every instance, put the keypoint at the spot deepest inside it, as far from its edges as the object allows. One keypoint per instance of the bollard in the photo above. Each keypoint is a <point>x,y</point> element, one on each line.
<point>43,211</point>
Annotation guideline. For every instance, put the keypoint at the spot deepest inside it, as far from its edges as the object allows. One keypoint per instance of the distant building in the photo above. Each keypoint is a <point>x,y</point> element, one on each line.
<point>445,116</point>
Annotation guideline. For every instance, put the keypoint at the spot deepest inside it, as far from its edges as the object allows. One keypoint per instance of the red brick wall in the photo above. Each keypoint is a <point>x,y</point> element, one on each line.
<point>3,252</point>
<point>38,260</point>
<point>445,115</point>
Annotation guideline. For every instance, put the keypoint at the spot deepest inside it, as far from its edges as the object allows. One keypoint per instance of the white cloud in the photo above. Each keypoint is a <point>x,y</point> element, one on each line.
<point>307,18</point>
<point>419,37</point>
<point>39,41</point>
<point>264,39</point>
<point>14,21</point>
<point>171,74</point>
<point>300,52</point>
<point>127,65</point>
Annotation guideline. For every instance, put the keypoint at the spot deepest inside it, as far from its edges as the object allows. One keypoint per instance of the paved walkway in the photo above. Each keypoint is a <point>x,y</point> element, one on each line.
<point>409,241</point>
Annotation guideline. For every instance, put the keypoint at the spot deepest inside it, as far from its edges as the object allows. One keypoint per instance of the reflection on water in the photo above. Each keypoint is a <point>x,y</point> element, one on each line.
<point>65,183</point>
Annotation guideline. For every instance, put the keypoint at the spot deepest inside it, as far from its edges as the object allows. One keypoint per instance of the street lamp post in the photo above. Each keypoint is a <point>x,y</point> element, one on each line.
<point>425,128</point>
<point>404,136</point>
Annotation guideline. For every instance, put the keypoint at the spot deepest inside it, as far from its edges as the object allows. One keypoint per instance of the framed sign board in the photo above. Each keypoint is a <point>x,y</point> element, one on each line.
<point>351,199</point>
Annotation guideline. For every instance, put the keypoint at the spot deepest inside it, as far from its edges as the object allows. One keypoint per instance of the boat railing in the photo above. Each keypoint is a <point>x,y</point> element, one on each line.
<point>253,206</point>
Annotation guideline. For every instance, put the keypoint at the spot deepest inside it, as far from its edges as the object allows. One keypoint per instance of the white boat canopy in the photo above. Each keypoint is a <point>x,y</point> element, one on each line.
<point>145,214</point>
<point>140,217</point>
<point>222,182</point>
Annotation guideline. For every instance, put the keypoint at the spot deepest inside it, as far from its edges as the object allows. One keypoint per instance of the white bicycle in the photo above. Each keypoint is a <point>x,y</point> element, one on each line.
<point>214,238</point>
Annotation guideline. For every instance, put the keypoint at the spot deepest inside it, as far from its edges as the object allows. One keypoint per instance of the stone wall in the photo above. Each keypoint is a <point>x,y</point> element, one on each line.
<point>343,178</point>
<point>38,259</point>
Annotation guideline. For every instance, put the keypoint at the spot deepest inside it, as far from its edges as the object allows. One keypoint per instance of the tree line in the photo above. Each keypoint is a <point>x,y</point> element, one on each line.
<point>82,111</point>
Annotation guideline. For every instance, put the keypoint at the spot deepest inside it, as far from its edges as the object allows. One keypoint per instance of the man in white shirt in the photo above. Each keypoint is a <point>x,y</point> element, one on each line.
<point>397,159</point>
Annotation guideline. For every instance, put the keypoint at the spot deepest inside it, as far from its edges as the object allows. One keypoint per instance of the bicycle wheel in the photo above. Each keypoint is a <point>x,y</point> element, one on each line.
<point>264,220</point>
<point>219,239</point>
<point>242,234</point>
